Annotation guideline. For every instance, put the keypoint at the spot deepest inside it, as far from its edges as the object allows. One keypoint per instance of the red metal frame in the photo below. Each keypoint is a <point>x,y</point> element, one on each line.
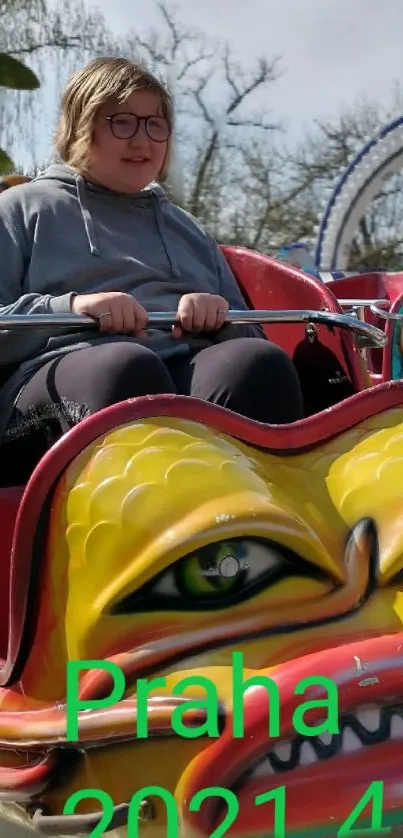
<point>369,287</point>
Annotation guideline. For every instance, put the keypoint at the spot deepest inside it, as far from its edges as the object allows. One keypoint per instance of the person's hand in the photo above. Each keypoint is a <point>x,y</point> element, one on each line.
<point>114,311</point>
<point>200,313</point>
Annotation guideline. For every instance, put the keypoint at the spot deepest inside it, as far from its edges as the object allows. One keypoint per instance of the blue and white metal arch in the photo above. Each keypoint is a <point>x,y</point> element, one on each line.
<point>361,182</point>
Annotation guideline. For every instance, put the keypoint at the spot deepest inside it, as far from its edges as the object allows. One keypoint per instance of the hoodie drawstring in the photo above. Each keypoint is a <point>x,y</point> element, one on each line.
<point>89,227</point>
<point>160,223</point>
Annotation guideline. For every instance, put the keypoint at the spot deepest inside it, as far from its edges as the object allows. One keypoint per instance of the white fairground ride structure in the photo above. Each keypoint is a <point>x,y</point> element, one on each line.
<point>363,179</point>
<point>361,182</point>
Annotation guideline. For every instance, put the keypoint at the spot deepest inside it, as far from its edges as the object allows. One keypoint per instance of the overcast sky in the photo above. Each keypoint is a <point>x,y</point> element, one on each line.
<point>331,50</point>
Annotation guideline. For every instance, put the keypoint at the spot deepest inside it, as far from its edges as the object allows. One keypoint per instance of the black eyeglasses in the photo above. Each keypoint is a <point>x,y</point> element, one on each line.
<point>124,126</point>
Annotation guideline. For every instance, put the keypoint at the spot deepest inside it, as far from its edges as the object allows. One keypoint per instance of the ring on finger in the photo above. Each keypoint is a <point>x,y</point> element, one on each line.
<point>103,314</point>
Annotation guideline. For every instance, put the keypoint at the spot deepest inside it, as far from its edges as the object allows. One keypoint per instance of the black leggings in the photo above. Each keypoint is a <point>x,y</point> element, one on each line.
<point>250,376</point>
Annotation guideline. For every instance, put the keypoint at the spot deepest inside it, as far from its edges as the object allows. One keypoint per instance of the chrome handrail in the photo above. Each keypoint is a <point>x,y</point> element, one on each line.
<point>387,315</point>
<point>361,303</point>
<point>165,320</point>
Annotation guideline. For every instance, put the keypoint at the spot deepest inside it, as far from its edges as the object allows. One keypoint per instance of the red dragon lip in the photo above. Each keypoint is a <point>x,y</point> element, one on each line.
<point>320,793</point>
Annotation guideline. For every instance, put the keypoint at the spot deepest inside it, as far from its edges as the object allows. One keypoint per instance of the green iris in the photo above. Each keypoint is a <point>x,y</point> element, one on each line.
<point>216,568</point>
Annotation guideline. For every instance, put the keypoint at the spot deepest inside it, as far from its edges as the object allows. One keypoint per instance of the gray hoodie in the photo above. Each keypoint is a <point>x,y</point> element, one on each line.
<point>60,234</point>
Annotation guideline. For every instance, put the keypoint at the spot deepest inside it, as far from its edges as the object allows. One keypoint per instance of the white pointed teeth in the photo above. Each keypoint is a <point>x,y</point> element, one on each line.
<point>396,727</point>
<point>291,756</point>
<point>351,741</point>
<point>283,751</point>
<point>264,769</point>
<point>325,738</point>
<point>369,718</point>
<point>307,754</point>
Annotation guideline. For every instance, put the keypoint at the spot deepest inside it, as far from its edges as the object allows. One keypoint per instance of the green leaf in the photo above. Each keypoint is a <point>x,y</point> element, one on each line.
<point>6,164</point>
<point>16,75</point>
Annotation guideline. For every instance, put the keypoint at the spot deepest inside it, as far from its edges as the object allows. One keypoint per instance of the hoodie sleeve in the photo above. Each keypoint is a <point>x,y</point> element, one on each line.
<point>229,289</point>
<point>16,242</point>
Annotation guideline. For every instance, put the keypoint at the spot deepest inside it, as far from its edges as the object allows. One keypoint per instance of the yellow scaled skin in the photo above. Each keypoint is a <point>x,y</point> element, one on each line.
<point>148,494</point>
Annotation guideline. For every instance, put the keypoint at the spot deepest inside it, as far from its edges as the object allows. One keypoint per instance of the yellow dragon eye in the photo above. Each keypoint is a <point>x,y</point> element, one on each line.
<point>223,568</point>
<point>218,575</point>
<point>214,576</point>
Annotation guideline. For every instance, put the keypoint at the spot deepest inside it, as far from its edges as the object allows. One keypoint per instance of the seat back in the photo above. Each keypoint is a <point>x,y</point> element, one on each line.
<point>329,365</point>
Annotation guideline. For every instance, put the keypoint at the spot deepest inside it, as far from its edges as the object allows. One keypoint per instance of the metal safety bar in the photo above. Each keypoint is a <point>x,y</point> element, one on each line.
<point>361,303</point>
<point>373,336</point>
<point>387,315</point>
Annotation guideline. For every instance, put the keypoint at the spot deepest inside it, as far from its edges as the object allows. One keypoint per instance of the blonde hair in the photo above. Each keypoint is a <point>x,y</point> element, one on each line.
<point>88,90</point>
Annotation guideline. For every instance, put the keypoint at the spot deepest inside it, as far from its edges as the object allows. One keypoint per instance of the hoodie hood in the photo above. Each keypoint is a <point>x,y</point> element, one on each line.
<point>63,173</point>
<point>67,176</point>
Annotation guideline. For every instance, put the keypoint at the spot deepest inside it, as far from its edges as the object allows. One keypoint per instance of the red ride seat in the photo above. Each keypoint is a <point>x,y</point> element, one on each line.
<point>330,368</point>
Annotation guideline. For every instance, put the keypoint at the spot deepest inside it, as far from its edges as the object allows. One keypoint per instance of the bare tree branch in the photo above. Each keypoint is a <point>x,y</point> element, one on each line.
<point>254,123</point>
<point>228,75</point>
<point>68,42</point>
<point>176,39</point>
<point>189,63</point>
